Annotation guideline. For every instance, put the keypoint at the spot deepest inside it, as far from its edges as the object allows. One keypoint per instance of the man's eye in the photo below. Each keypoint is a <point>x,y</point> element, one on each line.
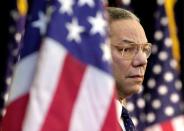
<point>129,49</point>
<point>146,49</point>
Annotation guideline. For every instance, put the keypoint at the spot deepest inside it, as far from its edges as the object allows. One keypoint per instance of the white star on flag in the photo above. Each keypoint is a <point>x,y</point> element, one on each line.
<point>74,30</point>
<point>90,3</point>
<point>41,23</point>
<point>98,24</point>
<point>66,6</point>
<point>106,51</point>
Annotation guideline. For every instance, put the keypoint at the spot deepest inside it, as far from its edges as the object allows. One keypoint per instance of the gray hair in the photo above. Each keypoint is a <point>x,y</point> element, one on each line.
<point>118,14</point>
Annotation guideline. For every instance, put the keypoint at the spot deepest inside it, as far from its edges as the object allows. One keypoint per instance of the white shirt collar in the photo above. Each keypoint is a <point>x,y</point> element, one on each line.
<point>119,109</point>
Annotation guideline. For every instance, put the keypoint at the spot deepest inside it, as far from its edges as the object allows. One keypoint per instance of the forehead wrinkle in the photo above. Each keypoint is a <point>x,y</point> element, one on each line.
<point>127,29</point>
<point>129,41</point>
<point>134,31</point>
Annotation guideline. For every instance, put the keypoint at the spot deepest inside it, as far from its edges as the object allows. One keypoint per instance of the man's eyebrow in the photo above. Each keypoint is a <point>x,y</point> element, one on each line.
<point>124,41</point>
<point>128,41</point>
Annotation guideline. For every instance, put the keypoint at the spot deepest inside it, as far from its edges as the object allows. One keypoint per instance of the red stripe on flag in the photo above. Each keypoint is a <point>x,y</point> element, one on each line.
<point>13,119</point>
<point>167,126</point>
<point>110,124</point>
<point>59,114</point>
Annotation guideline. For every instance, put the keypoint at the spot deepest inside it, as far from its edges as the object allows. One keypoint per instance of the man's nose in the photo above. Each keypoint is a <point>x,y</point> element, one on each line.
<point>140,59</point>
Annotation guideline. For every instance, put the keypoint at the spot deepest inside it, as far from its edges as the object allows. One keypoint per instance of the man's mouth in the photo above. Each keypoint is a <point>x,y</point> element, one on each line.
<point>139,77</point>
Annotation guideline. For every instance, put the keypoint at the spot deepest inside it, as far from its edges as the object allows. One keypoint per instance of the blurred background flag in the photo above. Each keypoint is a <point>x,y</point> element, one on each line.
<point>125,4</point>
<point>159,106</point>
<point>16,22</point>
<point>16,31</point>
<point>164,107</point>
<point>19,90</point>
<point>63,80</point>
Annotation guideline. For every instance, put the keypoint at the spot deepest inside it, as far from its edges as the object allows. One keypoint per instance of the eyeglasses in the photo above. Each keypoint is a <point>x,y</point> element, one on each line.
<point>130,51</point>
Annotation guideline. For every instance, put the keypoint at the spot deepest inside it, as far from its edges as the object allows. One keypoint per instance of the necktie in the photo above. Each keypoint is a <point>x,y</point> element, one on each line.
<point>129,126</point>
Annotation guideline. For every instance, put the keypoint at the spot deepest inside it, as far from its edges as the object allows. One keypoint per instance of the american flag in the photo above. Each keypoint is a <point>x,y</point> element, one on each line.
<point>15,31</point>
<point>164,107</point>
<point>159,106</point>
<point>125,4</point>
<point>63,80</point>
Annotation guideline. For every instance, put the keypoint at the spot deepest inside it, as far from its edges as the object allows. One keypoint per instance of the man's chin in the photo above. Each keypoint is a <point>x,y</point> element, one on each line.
<point>134,90</point>
<point>137,88</point>
<point>128,89</point>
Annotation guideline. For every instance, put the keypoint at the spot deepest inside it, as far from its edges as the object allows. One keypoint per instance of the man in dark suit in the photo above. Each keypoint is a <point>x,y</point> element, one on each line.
<point>130,51</point>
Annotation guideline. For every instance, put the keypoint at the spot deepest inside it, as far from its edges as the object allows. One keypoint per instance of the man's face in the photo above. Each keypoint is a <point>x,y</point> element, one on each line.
<point>129,73</point>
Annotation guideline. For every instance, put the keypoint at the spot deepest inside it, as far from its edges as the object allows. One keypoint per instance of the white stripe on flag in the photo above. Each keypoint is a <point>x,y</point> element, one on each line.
<point>155,127</point>
<point>178,123</point>
<point>23,77</point>
<point>50,64</point>
<point>93,101</point>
